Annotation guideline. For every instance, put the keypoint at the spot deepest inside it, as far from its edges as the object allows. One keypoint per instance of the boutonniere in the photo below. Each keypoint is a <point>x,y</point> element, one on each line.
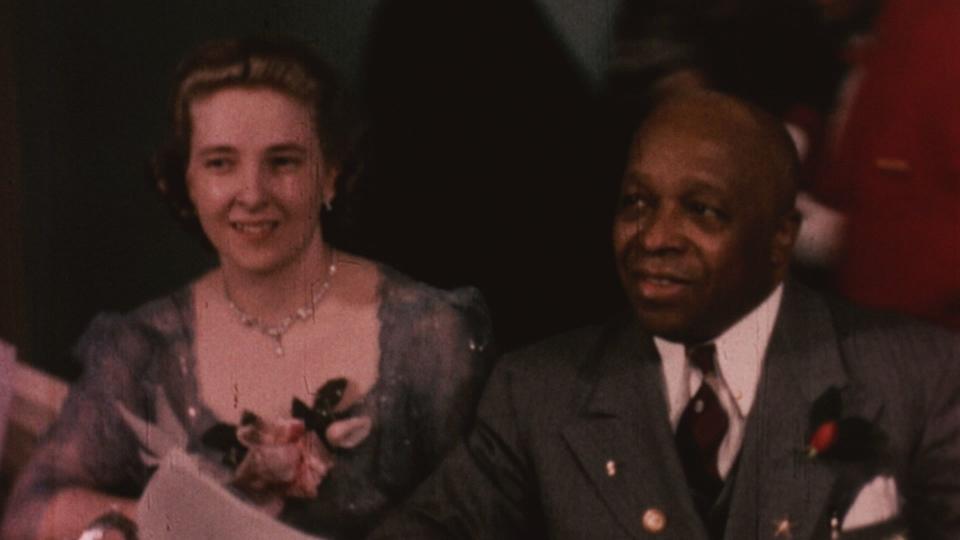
<point>834,436</point>
<point>289,457</point>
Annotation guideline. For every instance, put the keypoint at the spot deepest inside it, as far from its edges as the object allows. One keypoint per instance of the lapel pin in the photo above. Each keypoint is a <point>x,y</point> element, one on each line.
<point>783,528</point>
<point>698,406</point>
<point>654,520</point>
<point>611,468</point>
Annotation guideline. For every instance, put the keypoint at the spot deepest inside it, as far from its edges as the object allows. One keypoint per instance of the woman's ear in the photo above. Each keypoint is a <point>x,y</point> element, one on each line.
<point>328,186</point>
<point>168,168</point>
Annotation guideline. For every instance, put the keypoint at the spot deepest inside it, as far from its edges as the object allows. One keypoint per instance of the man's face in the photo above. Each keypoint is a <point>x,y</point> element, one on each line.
<point>693,234</point>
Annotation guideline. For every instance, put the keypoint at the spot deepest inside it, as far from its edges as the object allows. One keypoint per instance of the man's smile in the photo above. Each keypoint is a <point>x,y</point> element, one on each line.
<point>661,286</point>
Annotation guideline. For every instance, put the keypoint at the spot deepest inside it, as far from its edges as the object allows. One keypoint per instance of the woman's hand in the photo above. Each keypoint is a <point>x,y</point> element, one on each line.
<point>72,510</point>
<point>114,525</point>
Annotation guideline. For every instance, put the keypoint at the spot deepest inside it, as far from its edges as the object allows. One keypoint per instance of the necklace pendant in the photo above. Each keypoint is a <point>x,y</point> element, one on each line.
<point>303,313</point>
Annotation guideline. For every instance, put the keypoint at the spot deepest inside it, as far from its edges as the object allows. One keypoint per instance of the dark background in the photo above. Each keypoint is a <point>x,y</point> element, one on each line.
<point>487,158</point>
<point>479,145</point>
<point>91,84</point>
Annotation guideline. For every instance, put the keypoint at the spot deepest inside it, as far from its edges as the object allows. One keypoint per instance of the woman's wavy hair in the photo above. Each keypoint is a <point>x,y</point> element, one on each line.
<point>280,64</point>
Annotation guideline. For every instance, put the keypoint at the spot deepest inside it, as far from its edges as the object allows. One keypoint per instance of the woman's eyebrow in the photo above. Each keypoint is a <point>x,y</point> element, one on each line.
<point>216,149</point>
<point>287,147</point>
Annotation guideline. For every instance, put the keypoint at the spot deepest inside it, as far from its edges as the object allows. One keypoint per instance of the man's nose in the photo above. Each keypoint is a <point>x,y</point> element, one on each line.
<point>661,231</point>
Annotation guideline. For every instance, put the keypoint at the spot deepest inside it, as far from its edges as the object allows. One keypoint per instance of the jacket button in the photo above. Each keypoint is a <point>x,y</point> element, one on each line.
<point>654,521</point>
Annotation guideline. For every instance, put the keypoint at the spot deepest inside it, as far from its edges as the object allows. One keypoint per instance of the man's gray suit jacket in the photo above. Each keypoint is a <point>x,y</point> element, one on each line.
<point>573,440</point>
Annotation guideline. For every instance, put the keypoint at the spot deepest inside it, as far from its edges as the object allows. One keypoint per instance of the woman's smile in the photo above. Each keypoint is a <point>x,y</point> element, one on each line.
<point>255,230</point>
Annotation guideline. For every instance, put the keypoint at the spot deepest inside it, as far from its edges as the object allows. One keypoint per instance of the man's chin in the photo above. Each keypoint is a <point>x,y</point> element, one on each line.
<point>667,324</point>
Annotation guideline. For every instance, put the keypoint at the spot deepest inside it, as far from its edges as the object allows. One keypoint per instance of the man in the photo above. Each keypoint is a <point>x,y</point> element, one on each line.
<point>795,417</point>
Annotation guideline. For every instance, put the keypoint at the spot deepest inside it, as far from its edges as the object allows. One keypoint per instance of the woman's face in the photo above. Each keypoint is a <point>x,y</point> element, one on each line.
<point>257,177</point>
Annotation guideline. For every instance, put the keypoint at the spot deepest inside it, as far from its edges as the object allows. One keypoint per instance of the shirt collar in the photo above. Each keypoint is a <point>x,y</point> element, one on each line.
<point>740,353</point>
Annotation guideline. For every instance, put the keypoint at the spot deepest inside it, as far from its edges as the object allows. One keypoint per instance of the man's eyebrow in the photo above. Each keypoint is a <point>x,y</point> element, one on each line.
<point>702,185</point>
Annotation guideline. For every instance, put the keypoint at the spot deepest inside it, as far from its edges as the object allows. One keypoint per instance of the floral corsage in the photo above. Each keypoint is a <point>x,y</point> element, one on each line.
<point>289,457</point>
<point>834,436</point>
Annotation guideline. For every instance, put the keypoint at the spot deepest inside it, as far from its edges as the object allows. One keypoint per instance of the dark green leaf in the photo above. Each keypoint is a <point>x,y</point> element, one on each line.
<point>330,394</point>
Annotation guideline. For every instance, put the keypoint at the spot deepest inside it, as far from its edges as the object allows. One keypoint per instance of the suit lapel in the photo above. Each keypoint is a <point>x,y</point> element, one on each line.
<point>776,481</point>
<point>623,438</point>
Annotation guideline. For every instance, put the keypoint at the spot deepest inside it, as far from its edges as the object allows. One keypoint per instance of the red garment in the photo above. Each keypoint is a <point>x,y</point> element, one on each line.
<point>896,171</point>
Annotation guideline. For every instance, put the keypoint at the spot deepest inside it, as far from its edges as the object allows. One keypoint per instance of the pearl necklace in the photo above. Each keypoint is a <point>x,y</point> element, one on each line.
<point>277,331</point>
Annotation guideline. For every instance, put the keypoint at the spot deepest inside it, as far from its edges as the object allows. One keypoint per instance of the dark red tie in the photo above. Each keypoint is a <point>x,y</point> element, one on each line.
<point>702,427</point>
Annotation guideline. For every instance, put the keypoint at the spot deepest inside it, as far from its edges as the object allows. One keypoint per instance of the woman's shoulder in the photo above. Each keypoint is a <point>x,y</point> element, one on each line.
<point>166,314</point>
<point>399,292</point>
<point>430,334</point>
<point>115,336</point>
<point>437,350</point>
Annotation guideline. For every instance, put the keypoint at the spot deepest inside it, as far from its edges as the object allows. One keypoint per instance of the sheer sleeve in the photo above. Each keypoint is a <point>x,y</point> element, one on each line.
<point>437,352</point>
<point>89,445</point>
<point>451,373</point>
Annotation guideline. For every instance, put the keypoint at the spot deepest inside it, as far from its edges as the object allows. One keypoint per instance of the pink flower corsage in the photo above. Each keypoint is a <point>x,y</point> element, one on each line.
<point>289,457</point>
<point>282,457</point>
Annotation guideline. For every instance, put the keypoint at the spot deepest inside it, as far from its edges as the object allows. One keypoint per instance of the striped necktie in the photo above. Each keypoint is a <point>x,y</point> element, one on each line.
<point>702,428</point>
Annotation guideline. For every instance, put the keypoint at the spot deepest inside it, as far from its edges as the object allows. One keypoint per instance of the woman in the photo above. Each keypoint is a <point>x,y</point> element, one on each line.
<point>258,142</point>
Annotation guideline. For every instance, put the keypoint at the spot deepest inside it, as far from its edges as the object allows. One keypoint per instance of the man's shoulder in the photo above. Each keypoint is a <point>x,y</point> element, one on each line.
<point>850,320</point>
<point>892,351</point>
<point>547,382</point>
<point>865,325</point>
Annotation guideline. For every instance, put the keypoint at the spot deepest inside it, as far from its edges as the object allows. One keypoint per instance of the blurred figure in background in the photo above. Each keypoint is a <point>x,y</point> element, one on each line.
<point>891,163</point>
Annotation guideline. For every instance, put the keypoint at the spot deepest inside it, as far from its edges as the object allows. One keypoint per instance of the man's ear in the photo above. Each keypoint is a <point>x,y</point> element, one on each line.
<point>784,237</point>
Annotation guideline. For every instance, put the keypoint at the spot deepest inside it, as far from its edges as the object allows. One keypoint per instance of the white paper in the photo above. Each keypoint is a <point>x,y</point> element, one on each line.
<point>181,501</point>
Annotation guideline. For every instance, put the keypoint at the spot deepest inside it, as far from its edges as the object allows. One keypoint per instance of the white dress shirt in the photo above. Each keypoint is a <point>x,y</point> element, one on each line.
<point>740,353</point>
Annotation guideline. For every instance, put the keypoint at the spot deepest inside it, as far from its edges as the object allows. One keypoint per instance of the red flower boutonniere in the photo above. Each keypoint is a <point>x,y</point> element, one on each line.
<point>823,438</point>
<point>834,436</point>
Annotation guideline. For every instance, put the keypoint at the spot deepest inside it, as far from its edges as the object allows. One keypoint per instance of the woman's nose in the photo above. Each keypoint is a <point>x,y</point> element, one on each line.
<point>254,186</point>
